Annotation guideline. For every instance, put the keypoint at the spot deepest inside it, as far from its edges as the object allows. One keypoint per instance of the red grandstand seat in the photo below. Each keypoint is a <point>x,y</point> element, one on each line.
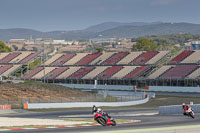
<point>29,57</point>
<point>136,72</point>
<point>32,73</point>
<point>53,74</point>
<point>63,59</point>
<point>4,68</point>
<point>109,72</point>
<point>181,56</point>
<point>10,57</point>
<point>86,60</point>
<point>115,58</point>
<point>81,72</point>
<point>179,71</point>
<point>143,58</point>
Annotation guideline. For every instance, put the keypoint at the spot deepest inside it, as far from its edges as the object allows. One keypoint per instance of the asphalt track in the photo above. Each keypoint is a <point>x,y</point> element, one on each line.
<point>147,121</point>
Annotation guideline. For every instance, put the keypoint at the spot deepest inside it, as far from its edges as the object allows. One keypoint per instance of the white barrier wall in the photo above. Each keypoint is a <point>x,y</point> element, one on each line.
<point>176,109</point>
<point>174,89</point>
<point>83,104</point>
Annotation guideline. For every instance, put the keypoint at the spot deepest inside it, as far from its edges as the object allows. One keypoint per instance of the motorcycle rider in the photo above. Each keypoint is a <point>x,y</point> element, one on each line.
<point>95,109</point>
<point>185,109</point>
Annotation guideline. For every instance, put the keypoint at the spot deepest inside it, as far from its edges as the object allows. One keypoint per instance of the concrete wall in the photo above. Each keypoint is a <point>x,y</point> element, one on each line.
<point>174,89</point>
<point>83,104</point>
<point>176,109</point>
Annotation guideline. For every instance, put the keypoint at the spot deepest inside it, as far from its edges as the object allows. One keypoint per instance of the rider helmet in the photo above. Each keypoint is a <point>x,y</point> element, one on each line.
<point>183,105</point>
<point>94,109</point>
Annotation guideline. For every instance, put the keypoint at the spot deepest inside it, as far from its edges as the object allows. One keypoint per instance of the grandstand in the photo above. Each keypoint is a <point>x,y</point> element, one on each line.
<point>142,67</point>
<point>12,62</point>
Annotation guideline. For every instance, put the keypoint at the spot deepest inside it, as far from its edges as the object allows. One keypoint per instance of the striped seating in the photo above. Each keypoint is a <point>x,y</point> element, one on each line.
<point>193,58</point>
<point>53,74</point>
<point>95,72</point>
<point>29,57</point>
<point>32,73</point>
<point>63,59</point>
<point>68,72</point>
<point>179,72</point>
<point>136,72</point>
<point>76,58</point>
<point>122,73</point>
<point>4,68</point>
<point>86,60</point>
<point>109,72</point>
<point>81,72</point>
<point>160,71</point>
<point>115,58</point>
<point>10,57</point>
<point>195,74</point>
<point>181,56</point>
<point>143,58</point>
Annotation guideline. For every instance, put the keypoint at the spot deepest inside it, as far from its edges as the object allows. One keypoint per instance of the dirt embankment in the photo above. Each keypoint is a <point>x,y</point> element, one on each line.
<point>17,94</point>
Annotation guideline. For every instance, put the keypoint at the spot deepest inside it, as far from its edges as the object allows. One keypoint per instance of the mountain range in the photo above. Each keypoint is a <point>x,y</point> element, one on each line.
<point>105,30</point>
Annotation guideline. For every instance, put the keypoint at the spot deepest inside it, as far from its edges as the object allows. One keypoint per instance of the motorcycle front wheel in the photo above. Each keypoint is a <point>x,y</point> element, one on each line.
<point>113,122</point>
<point>192,115</point>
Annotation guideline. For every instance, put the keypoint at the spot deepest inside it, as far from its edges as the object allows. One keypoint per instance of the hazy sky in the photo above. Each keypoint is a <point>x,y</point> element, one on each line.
<point>47,15</point>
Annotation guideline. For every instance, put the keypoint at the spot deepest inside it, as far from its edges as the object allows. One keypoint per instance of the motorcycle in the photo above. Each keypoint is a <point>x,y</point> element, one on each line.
<point>103,119</point>
<point>190,113</point>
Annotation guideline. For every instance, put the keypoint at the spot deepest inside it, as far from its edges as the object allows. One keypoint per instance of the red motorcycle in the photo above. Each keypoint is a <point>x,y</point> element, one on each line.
<point>103,119</point>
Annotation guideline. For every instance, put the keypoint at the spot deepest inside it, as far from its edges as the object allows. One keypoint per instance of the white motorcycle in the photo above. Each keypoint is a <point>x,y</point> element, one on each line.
<point>190,113</point>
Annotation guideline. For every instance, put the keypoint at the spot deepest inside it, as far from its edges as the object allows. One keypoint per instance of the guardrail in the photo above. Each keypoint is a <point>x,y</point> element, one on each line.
<point>174,89</point>
<point>81,104</point>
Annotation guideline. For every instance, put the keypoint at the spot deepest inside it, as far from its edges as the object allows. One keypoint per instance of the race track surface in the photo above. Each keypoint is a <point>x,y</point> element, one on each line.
<point>147,117</point>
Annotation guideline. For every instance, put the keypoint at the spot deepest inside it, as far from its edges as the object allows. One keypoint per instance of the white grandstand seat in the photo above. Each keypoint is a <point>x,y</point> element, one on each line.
<point>158,57</point>
<point>95,72</point>
<point>2,55</point>
<point>20,57</point>
<point>195,74</point>
<point>76,58</point>
<point>123,72</point>
<point>130,57</point>
<point>11,70</point>
<point>52,59</point>
<point>102,58</point>
<point>68,72</point>
<point>160,71</point>
<point>193,58</point>
<point>40,75</point>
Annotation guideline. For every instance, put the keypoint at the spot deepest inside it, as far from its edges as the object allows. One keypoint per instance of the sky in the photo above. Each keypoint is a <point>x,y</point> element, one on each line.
<point>65,15</point>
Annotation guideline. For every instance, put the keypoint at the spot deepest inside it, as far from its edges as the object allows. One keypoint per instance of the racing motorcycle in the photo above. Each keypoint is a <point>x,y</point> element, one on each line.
<point>103,119</point>
<point>190,113</point>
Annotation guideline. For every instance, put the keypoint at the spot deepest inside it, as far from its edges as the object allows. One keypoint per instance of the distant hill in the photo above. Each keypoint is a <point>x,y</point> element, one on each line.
<point>111,25</point>
<point>153,29</point>
<point>109,29</point>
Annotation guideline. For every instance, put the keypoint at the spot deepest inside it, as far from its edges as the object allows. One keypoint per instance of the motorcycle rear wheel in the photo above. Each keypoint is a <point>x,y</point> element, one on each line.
<point>101,121</point>
<point>192,115</point>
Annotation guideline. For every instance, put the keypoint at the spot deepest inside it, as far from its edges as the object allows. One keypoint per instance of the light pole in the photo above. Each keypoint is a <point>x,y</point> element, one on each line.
<point>43,63</point>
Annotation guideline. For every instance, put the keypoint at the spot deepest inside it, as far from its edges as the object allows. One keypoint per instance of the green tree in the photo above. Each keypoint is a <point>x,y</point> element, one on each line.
<point>99,49</point>
<point>144,44</point>
<point>34,64</point>
<point>4,48</point>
